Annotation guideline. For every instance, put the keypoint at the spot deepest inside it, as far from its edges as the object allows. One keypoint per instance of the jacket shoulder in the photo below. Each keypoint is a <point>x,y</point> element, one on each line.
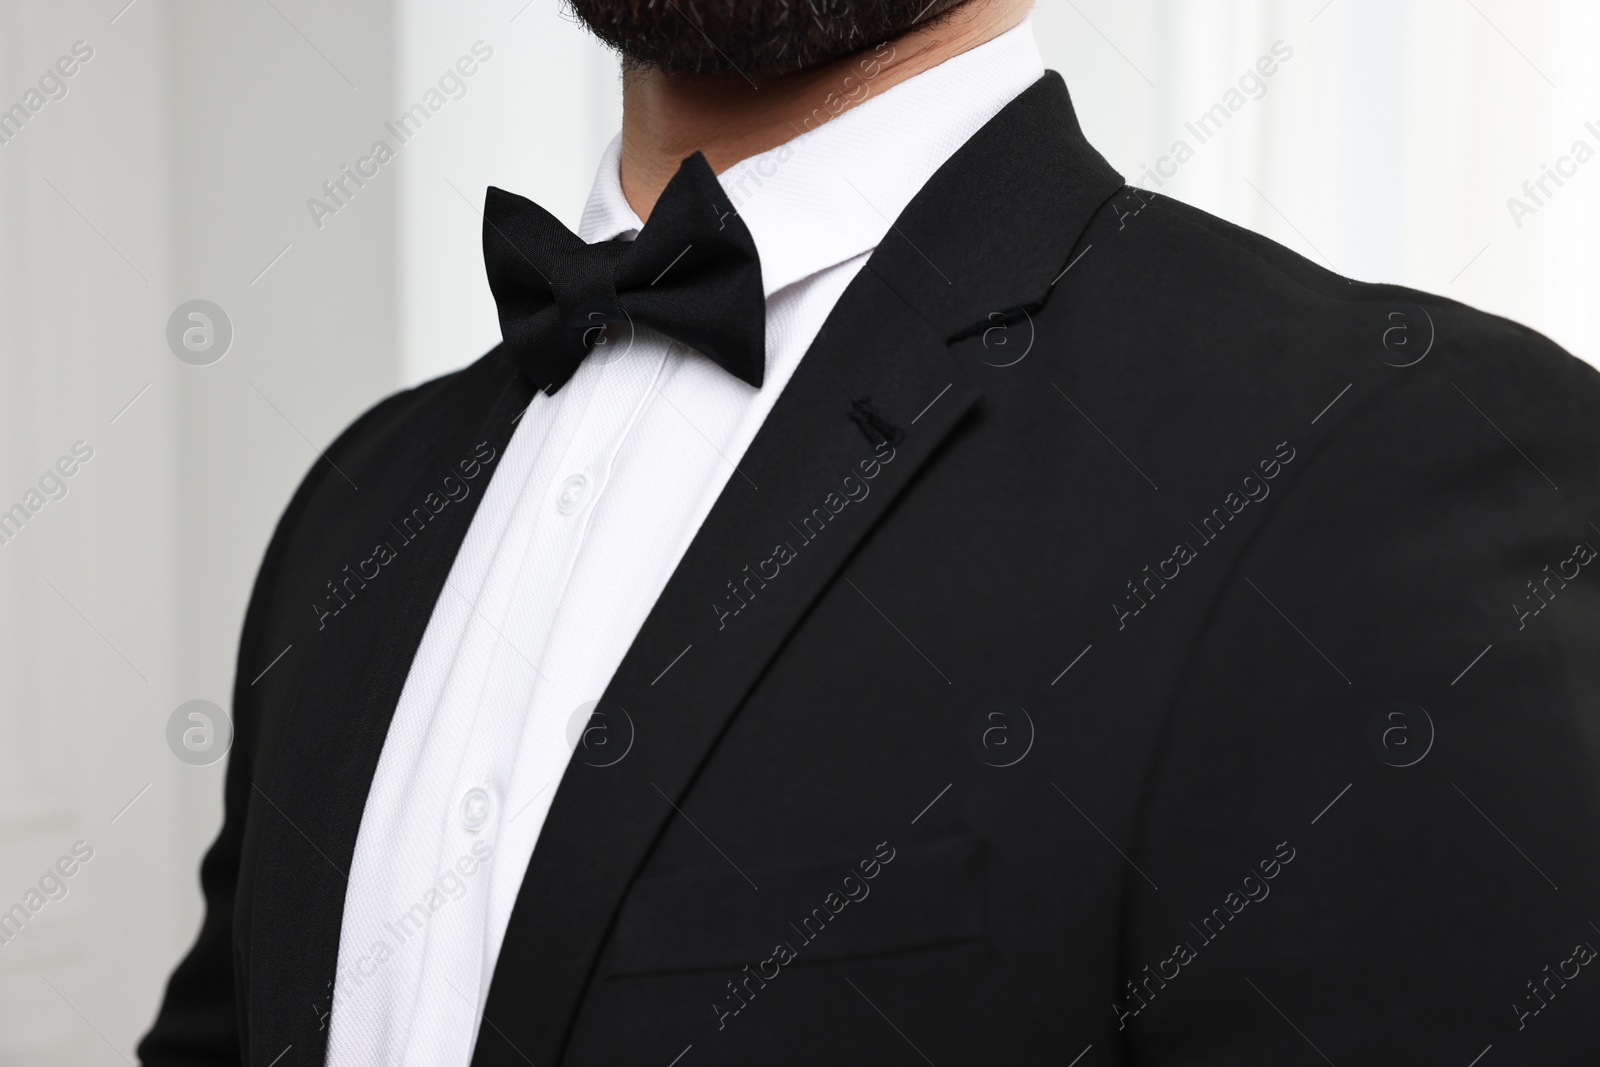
<point>1257,276</point>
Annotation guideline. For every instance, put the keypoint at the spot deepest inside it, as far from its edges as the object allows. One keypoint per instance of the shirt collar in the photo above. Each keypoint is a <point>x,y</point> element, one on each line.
<point>832,192</point>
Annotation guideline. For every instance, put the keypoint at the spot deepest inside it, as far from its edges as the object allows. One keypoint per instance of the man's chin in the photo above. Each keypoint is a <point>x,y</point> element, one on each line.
<point>767,38</point>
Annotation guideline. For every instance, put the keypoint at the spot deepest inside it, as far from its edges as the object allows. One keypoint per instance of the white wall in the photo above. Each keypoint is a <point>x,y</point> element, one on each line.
<point>179,166</point>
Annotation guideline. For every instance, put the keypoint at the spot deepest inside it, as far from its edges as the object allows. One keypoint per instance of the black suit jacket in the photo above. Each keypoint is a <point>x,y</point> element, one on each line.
<point>1143,644</point>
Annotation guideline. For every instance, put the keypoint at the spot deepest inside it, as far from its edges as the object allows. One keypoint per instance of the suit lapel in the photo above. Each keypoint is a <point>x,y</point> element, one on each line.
<point>307,814</point>
<point>987,236</point>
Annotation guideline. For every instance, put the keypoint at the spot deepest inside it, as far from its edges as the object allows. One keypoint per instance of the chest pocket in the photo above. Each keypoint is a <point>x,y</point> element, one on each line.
<point>917,897</point>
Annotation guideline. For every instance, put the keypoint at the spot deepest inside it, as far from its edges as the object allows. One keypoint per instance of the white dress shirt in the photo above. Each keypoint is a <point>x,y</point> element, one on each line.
<point>598,495</point>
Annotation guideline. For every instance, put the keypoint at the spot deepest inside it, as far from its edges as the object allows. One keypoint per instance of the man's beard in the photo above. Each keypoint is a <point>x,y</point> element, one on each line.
<point>751,37</point>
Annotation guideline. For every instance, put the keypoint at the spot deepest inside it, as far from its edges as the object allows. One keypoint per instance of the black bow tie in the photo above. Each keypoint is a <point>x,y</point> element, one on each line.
<point>692,274</point>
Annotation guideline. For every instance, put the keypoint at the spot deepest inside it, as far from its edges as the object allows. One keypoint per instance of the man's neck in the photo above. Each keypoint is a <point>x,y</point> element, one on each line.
<point>732,117</point>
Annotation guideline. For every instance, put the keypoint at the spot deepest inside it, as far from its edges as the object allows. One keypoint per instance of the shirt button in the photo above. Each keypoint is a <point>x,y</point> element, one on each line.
<point>573,492</point>
<point>475,808</point>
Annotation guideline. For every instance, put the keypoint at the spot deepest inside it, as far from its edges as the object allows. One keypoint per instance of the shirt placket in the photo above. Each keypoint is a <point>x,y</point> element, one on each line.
<point>492,789</point>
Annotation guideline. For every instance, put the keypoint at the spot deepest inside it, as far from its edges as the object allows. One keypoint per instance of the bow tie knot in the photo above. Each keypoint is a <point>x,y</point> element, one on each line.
<point>692,274</point>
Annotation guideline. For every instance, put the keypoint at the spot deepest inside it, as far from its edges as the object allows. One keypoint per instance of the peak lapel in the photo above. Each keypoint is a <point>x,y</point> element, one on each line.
<point>988,234</point>
<point>995,227</point>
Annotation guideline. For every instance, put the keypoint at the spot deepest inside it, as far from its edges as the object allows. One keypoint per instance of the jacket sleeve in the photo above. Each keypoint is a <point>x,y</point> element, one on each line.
<point>202,1018</point>
<point>1374,813</point>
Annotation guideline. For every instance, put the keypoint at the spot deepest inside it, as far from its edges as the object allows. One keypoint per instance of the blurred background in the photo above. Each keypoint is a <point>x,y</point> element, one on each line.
<point>183,159</point>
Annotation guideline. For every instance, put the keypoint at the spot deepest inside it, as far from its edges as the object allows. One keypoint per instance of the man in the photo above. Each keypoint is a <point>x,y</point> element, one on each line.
<point>913,598</point>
